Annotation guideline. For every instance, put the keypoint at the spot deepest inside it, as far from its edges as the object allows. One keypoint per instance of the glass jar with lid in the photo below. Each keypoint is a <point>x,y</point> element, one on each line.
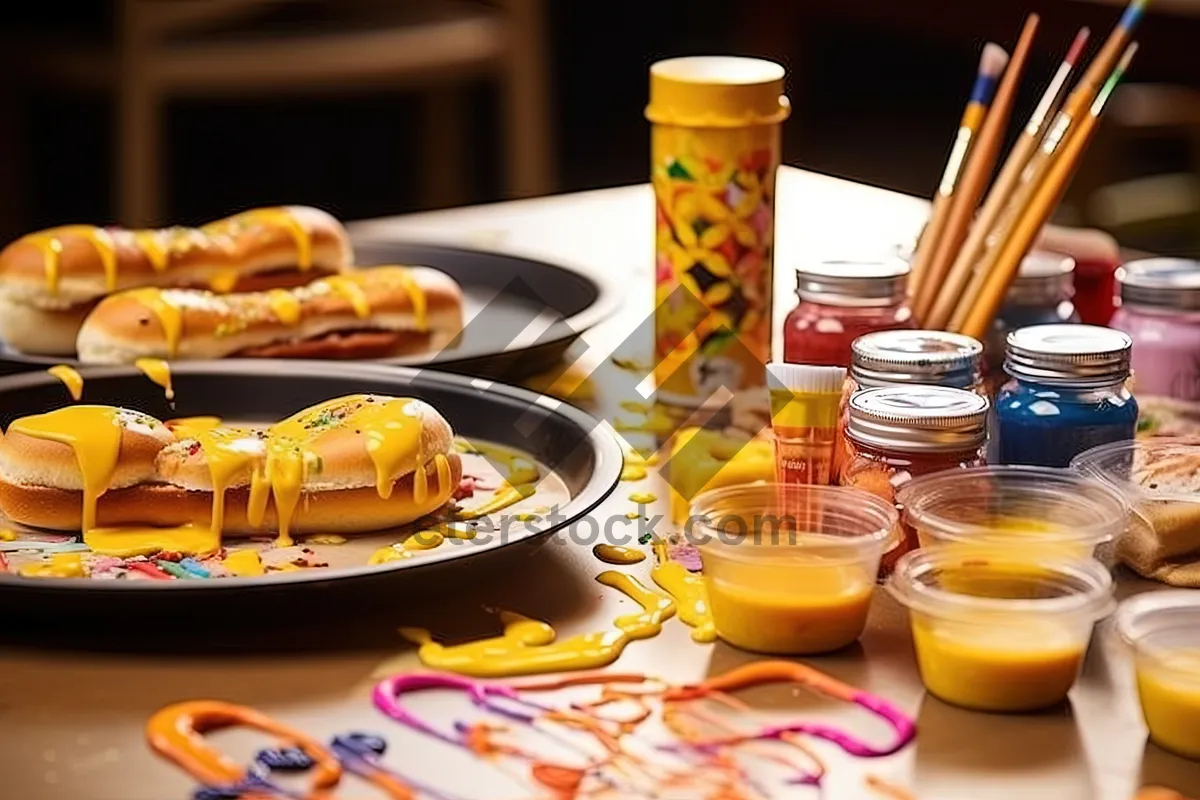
<point>898,433</point>
<point>1066,394</point>
<point>1041,294</point>
<point>915,357</point>
<point>840,301</point>
<point>1160,310</point>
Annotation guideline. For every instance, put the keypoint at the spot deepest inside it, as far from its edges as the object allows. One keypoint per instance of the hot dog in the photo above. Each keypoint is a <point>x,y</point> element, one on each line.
<point>49,280</point>
<point>367,313</point>
<point>86,467</point>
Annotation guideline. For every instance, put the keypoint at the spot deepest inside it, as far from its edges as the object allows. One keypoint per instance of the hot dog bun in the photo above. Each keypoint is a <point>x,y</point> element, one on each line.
<point>405,309</point>
<point>50,278</point>
<point>157,479</point>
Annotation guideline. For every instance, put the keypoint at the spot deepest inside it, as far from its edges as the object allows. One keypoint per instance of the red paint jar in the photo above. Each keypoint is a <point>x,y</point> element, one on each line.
<point>898,433</point>
<point>841,301</point>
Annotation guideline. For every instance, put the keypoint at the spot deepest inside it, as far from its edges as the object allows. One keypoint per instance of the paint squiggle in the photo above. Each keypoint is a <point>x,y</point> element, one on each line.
<point>702,760</point>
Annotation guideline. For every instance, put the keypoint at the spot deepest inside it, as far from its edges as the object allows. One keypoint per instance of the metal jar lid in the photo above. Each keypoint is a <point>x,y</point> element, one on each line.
<point>881,282</point>
<point>1044,278</point>
<point>1168,283</point>
<point>918,419</point>
<point>937,358</point>
<point>1068,355</point>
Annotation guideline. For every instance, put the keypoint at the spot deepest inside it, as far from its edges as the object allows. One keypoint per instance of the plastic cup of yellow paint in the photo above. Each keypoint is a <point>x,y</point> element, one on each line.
<point>997,630</point>
<point>1037,509</point>
<point>790,569</point>
<point>1163,628</point>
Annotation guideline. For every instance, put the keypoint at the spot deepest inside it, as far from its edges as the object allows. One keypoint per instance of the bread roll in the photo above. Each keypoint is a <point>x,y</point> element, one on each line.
<point>405,309</point>
<point>355,463</point>
<point>53,277</point>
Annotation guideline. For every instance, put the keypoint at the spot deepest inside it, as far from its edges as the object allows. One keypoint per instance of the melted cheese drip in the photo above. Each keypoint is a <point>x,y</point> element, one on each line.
<point>170,315</point>
<point>223,280</point>
<point>51,245</point>
<point>70,378</point>
<point>127,542</point>
<point>352,292</point>
<point>284,306</point>
<point>150,243</point>
<point>94,434</point>
<point>159,372</point>
<point>60,565</point>
<point>689,593</point>
<point>229,453</point>
<point>504,497</point>
<point>529,646</point>
<point>283,218</point>
<point>391,429</point>
<point>415,294</point>
<point>244,563</point>
<point>190,427</point>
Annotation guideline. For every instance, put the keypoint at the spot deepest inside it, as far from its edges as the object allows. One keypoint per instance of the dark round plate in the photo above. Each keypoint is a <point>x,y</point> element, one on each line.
<point>522,314</point>
<point>585,457</point>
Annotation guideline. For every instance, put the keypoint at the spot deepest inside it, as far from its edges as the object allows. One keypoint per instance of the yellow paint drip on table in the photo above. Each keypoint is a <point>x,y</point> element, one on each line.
<point>530,646</point>
<point>127,542</point>
<point>244,563</point>
<point>633,472</point>
<point>70,378</point>
<point>60,565</point>
<point>159,372</point>
<point>643,498</point>
<point>617,554</point>
<point>689,593</point>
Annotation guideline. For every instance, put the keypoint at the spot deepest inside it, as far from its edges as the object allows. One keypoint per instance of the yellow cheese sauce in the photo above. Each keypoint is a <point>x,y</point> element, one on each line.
<point>793,610</point>
<point>985,666</point>
<point>1169,688</point>
<point>159,372</point>
<point>70,378</point>
<point>1042,534</point>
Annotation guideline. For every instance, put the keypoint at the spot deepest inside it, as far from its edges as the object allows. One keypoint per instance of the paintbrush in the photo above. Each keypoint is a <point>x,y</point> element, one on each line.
<point>1035,171</point>
<point>991,63</point>
<point>959,275</point>
<point>976,173</point>
<point>1042,204</point>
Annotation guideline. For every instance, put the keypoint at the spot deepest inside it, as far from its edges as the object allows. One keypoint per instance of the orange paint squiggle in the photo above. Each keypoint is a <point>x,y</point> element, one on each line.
<point>177,734</point>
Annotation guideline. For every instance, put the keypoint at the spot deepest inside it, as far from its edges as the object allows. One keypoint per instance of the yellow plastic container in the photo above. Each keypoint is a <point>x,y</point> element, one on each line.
<point>1163,628</point>
<point>790,569</point>
<point>995,630</point>
<point>715,149</point>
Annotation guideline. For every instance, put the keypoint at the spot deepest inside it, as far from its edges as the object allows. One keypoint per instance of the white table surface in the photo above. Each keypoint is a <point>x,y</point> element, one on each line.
<point>71,723</point>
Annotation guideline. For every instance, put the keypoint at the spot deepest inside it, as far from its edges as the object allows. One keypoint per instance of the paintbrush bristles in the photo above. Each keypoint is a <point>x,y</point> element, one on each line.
<point>993,60</point>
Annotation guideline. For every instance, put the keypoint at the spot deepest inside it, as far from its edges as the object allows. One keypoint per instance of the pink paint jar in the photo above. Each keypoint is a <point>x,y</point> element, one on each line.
<point>1160,310</point>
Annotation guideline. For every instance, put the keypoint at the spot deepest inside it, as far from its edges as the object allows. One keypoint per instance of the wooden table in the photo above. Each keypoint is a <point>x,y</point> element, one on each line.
<point>71,722</point>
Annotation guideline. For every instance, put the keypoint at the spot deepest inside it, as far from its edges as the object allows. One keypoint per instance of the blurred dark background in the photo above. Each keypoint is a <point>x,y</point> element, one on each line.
<point>376,107</point>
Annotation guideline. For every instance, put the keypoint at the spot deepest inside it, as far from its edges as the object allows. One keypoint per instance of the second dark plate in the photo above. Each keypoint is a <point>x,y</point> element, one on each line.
<point>522,314</point>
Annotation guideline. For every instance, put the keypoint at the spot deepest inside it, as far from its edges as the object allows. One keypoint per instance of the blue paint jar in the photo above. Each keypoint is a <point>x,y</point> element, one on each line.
<point>1066,394</point>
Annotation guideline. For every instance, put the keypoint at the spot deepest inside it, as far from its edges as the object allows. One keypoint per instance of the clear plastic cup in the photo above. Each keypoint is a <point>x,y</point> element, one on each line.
<point>790,569</point>
<point>1041,509</point>
<point>1000,631</point>
<point>1159,481</point>
<point>1163,628</point>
